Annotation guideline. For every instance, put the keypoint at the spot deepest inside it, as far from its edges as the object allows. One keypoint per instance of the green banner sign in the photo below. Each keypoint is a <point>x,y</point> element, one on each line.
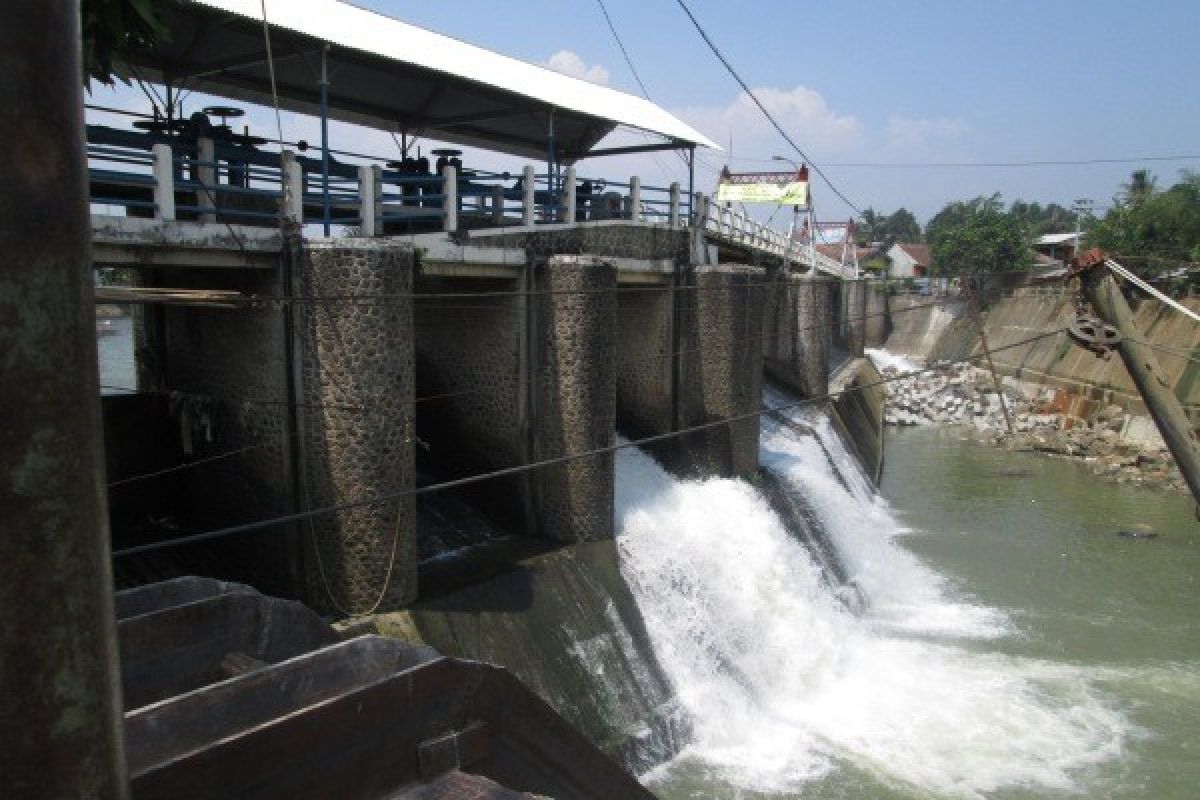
<point>791,193</point>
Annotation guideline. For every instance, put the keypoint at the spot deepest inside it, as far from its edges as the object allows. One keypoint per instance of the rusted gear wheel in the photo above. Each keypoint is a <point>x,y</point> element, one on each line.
<point>1094,334</point>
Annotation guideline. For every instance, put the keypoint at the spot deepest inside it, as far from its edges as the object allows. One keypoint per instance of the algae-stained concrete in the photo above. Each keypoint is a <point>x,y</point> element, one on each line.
<point>567,626</point>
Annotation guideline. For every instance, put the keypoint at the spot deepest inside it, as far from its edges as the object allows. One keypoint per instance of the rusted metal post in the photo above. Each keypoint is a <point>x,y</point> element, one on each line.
<point>60,713</point>
<point>987,353</point>
<point>1109,304</point>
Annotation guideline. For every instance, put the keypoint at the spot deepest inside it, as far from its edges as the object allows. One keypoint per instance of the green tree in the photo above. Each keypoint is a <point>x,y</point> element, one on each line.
<point>977,237</point>
<point>1039,219</point>
<point>1154,230</point>
<point>112,28</point>
<point>899,226</point>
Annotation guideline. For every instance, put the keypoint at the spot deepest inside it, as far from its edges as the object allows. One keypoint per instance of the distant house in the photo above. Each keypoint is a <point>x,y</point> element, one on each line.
<point>909,260</point>
<point>1059,247</point>
<point>856,255</point>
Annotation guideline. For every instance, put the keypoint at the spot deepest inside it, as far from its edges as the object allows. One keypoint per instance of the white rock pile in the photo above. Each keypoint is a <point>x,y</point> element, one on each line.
<point>1120,446</point>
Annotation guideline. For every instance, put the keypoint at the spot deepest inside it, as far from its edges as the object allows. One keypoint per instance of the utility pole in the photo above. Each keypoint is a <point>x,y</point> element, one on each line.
<point>1109,304</point>
<point>1082,206</point>
<point>60,718</point>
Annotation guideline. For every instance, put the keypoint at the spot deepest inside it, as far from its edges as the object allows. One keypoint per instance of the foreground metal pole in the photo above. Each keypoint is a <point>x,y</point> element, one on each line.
<point>1106,298</point>
<point>59,692</point>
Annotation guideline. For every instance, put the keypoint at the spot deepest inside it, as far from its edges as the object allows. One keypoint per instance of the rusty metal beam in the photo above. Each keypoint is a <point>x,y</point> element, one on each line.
<point>60,716</point>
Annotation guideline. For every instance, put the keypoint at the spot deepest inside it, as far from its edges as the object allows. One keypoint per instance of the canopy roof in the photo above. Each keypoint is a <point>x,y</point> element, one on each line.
<point>387,74</point>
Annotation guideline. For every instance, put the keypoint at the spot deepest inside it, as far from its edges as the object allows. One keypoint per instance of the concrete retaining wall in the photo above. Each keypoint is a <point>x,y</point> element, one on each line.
<point>919,323</point>
<point>1057,361</point>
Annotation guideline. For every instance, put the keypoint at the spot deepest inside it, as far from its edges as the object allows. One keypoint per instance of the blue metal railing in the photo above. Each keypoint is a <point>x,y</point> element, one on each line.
<point>239,182</point>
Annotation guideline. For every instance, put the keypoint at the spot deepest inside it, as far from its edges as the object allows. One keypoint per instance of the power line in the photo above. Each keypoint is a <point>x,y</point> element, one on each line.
<point>988,164</point>
<point>298,516</point>
<point>636,77</point>
<point>763,108</point>
<point>469,392</point>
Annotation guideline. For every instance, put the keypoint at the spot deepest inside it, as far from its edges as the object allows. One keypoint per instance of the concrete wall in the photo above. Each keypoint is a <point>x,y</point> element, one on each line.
<point>919,323</point>
<point>646,360</point>
<point>1057,361</point>
<point>797,333</point>
<point>858,409</point>
<point>356,363</point>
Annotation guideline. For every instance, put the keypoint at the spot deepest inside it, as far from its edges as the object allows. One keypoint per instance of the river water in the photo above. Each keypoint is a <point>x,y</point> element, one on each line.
<point>1013,646</point>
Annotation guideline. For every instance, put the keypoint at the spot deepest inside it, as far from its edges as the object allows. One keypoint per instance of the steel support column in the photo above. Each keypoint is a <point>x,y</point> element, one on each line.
<point>60,715</point>
<point>325,211</point>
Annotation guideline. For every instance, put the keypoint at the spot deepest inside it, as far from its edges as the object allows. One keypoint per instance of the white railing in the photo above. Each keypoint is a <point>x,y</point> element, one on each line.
<point>738,228</point>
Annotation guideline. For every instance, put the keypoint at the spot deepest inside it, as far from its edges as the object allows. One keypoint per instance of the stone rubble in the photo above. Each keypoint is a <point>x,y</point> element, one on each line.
<point>1119,446</point>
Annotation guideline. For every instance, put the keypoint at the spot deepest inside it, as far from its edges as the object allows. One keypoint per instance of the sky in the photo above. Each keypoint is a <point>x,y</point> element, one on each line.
<point>856,82</point>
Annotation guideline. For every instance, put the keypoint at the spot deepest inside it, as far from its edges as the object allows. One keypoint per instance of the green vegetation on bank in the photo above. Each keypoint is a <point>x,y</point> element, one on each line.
<point>1155,231</point>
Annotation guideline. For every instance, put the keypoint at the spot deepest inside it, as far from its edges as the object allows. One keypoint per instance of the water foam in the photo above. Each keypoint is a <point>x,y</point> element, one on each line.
<point>782,682</point>
<point>883,360</point>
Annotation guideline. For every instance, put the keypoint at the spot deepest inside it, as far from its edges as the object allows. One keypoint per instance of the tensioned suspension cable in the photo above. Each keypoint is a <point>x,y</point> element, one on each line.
<point>1141,284</point>
<point>520,468</point>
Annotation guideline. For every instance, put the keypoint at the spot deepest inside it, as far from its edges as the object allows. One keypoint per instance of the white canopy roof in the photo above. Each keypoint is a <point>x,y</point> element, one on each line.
<point>391,75</point>
<point>1057,238</point>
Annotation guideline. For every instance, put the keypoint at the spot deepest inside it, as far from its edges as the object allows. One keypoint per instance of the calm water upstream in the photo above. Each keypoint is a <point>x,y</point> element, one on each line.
<point>1015,646</point>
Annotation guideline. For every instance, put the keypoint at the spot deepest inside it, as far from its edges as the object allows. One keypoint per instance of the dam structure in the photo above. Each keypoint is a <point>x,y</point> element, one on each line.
<point>320,332</point>
<point>397,398</point>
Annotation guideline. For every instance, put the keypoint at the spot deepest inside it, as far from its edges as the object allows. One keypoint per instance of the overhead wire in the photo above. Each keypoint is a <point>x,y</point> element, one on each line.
<point>770,117</point>
<point>282,519</point>
<point>470,392</point>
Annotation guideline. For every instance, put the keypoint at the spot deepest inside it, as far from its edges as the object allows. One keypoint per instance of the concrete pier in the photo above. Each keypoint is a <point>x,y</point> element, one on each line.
<point>525,375</point>
<point>357,437</point>
<point>854,308</point>
<point>798,333</point>
<point>877,322</point>
<point>720,367</point>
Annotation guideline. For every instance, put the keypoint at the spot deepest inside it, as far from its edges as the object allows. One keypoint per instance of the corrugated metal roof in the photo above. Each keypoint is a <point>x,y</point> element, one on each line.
<point>397,76</point>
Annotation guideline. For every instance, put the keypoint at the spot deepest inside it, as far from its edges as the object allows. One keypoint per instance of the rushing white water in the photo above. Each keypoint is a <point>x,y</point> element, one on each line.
<point>782,683</point>
<point>884,359</point>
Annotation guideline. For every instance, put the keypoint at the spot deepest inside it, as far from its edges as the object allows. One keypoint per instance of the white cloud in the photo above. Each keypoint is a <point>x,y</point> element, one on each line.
<point>569,63</point>
<point>904,131</point>
<point>801,111</point>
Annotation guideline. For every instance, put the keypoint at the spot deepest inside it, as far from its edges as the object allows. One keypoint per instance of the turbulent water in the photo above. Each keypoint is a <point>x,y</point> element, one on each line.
<point>785,686</point>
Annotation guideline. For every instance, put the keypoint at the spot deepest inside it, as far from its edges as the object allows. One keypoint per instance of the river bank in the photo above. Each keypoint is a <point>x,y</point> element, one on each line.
<point>1115,444</point>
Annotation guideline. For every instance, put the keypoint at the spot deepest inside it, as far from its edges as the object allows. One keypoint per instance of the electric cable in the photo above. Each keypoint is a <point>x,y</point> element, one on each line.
<point>257,525</point>
<point>729,67</point>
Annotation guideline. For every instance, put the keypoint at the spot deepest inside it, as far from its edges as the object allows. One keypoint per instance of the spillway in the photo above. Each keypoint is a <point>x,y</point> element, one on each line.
<point>787,687</point>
